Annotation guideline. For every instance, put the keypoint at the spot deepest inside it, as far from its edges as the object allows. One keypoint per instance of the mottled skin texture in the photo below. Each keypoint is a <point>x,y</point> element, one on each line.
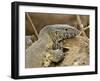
<point>49,44</point>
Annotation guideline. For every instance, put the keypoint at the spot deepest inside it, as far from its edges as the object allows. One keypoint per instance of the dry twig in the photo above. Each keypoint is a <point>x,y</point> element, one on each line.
<point>35,31</point>
<point>81,25</point>
<point>86,28</point>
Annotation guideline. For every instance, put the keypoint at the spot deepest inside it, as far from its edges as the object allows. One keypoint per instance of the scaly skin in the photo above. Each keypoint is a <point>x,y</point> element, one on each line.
<point>49,43</point>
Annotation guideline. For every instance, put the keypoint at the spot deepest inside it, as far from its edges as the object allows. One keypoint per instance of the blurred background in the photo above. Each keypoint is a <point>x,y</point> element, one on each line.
<point>39,20</point>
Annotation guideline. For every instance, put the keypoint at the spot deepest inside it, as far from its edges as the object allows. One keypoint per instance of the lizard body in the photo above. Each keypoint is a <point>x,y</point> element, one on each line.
<point>49,37</point>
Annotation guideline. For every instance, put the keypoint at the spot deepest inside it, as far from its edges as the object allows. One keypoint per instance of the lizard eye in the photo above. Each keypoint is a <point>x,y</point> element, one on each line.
<point>66,29</point>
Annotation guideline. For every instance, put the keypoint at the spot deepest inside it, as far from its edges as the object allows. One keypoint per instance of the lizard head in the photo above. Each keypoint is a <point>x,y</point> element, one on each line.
<point>60,32</point>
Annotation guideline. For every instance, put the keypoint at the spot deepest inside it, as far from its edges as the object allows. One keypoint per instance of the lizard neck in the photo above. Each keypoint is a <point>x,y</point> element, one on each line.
<point>45,39</point>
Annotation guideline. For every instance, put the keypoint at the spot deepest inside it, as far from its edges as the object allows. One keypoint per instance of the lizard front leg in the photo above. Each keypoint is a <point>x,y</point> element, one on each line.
<point>52,56</point>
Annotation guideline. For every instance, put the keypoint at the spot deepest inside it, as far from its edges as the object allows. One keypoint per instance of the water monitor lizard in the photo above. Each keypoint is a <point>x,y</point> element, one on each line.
<point>48,47</point>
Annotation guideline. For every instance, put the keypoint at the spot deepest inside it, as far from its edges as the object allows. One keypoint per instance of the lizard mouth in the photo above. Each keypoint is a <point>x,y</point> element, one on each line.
<point>65,49</point>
